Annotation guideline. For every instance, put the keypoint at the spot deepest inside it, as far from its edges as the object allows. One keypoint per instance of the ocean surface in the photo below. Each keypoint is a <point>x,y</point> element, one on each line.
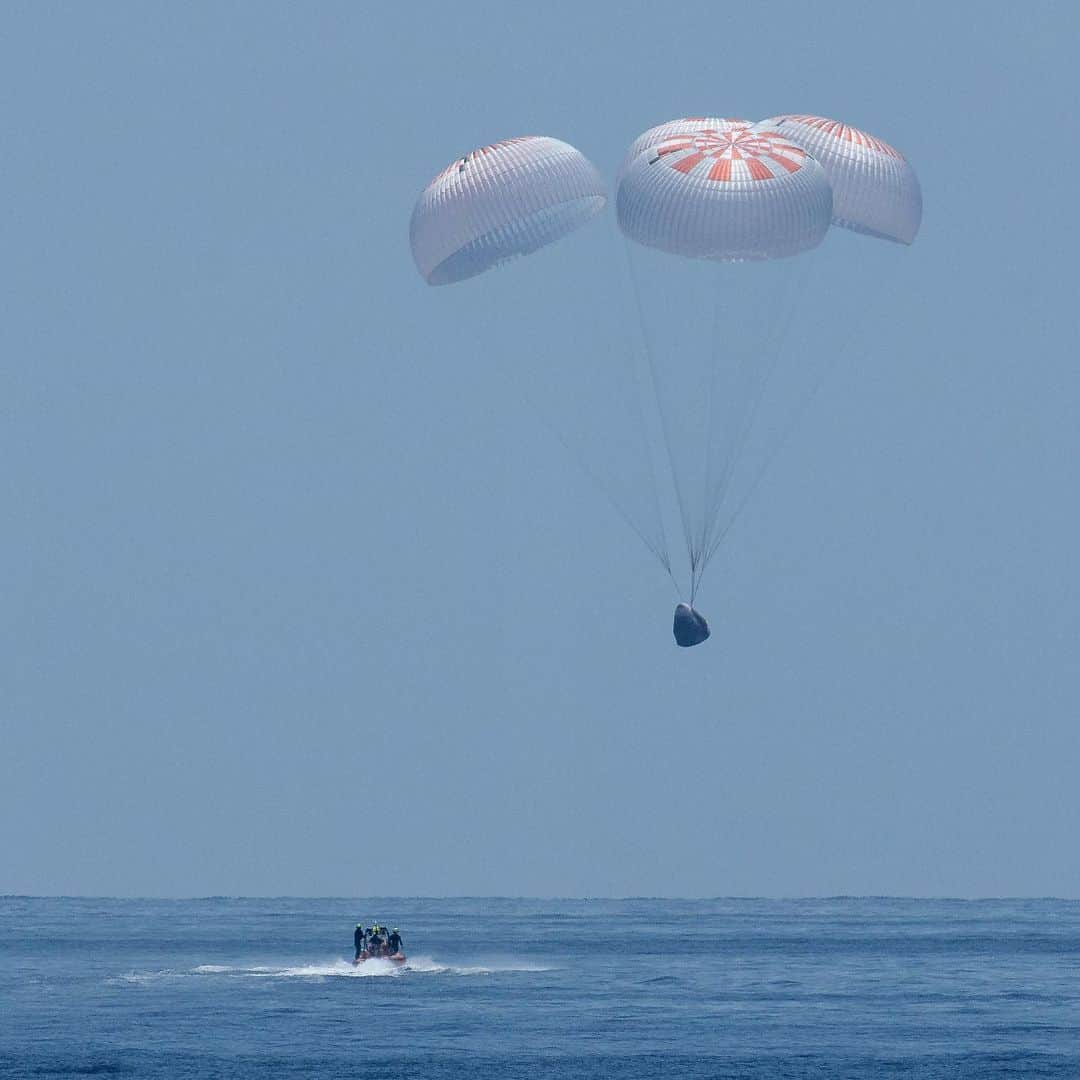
<point>541,988</point>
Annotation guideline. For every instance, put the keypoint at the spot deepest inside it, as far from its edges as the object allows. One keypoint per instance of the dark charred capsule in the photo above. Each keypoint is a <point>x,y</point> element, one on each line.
<point>690,627</point>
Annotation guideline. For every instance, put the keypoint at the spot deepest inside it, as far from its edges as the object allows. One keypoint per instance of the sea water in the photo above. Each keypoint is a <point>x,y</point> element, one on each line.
<point>541,988</point>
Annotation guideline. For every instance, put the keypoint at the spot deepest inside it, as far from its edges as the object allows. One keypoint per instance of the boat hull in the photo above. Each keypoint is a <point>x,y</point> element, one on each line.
<point>397,958</point>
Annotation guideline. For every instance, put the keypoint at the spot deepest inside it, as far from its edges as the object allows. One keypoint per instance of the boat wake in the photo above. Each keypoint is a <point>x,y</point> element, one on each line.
<point>493,967</point>
<point>374,968</point>
<point>336,968</point>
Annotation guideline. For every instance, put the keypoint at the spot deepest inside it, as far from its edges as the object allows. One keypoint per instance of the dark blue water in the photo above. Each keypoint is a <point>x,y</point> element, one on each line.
<point>540,988</point>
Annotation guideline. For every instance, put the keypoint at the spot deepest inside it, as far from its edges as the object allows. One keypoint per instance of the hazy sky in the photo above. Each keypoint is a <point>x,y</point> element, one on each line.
<point>297,597</point>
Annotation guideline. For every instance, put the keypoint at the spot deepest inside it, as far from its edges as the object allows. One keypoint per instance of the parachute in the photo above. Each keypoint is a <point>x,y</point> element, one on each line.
<point>745,206</point>
<point>721,218</point>
<point>501,201</point>
<point>875,190</point>
<point>688,125</point>
<point>731,194</point>
<point>731,198</point>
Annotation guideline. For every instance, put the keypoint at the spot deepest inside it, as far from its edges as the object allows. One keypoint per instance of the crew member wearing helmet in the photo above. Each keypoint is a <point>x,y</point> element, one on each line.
<point>393,942</point>
<point>375,941</point>
<point>359,939</point>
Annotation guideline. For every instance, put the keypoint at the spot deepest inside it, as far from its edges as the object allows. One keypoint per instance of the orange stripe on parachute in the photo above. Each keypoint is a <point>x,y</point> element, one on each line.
<point>758,169</point>
<point>721,170</point>
<point>688,162</point>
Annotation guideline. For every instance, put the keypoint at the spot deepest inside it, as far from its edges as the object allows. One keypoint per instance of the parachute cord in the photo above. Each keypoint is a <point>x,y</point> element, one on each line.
<point>729,443</point>
<point>649,355</point>
<point>643,424</point>
<point>802,407</point>
<point>656,546</point>
<point>712,497</point>
<point>774,340</point>
<point>797,415</point>
<point>658,551</point>
<point>774,346</point>
<point>710,427</point>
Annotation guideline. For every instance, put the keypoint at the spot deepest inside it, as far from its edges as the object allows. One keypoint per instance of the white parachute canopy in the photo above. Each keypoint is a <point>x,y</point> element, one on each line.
<point>513,198</point>
<point>507,199</point>
<point>729,193</point>
<point>875,190</point>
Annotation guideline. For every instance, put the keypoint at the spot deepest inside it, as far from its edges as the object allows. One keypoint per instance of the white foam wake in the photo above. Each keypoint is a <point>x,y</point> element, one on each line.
<point>488,967</point>
<point>331,969</point>
<point>374,968</point>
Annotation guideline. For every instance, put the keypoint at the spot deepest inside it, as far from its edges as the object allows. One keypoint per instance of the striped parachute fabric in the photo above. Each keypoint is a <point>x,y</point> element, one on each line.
<point>688,125</point>
<point>507,199</point>
<point>875,190</point>
<point>726,193</point>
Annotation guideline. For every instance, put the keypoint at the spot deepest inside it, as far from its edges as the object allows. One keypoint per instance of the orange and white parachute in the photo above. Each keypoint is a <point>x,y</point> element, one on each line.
<point>725,191</point>
<point>688,125</point>
<point>875,189</point>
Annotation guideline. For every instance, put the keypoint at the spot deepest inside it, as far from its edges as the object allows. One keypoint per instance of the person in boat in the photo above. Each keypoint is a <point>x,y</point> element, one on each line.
<point>375,941</point>
<point>359,939</point>
<point>393,942</point>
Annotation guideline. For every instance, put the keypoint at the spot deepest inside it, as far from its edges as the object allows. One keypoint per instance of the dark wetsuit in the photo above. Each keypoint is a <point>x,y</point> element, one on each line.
<point>358,941</point>
<point>394,943</point>
<point>375,944</point>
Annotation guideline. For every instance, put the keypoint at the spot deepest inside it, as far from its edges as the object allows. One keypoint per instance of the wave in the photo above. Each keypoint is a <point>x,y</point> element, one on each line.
<point>492,967</point>
<point>138,977</point>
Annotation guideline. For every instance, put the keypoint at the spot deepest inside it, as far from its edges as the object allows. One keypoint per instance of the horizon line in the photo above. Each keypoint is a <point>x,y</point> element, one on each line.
<point>545,897</point>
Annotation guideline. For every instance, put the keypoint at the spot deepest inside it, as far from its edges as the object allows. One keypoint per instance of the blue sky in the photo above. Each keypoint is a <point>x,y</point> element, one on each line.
<point>291,576</point>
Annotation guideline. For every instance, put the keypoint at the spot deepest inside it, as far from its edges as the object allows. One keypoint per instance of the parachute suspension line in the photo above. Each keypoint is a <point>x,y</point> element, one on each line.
<point>801,408</point>
<point>725,433</point>
<point>650,357</point>
<point>516,389</point>
<point>643,426</point>
<point>710,422</point>
<point>726,439</point>
<point>665,557</point>
<point>770,356</point>
<point>757,376</point>
<point>656,546</point>
<point>659,551</point>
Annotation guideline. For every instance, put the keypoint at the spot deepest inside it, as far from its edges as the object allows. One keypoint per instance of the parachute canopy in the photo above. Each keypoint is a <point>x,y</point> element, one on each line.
<point>688,125</point>
<point>875,190</point>
<point>507,199</point>
<point>726,192</point>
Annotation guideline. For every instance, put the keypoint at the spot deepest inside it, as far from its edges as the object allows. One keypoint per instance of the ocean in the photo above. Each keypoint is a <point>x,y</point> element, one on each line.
<point>509,988</point>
